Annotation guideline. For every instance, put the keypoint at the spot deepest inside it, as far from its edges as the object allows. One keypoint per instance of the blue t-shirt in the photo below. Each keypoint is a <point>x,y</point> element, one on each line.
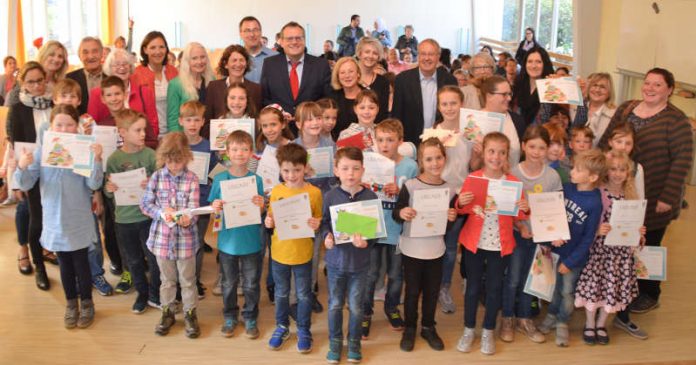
<point>204,146</point>
<point>241,240</point>
<point>406,169</point>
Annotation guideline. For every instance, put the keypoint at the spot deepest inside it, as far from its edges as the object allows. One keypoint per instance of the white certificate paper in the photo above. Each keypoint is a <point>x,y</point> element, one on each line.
<point>268,168</point>
<point>626,218</point>
<point>67,151</point>
<point>651,263</point>
<point>129,185</point>
<point>548,217</point>
<point>431,207</point>
<point>475,124</point>
<point>200,165</point>
<point>107,137</point>
<point>562,90</point>
<point>503,195</point>
<point>368,208</point>
<point>378,169</point>
<point>291,216</point>
<point>541,280</point>
<point>221,128</point>
<point>238,209</point>
<point>320,162</point>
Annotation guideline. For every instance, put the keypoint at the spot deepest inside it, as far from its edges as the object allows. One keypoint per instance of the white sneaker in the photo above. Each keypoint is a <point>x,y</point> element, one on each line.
<point>467,339</point>
<point>488,342</point>
<point>446,303</point>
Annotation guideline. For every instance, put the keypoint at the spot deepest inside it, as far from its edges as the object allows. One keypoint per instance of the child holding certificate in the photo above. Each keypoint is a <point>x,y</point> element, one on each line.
<point>240,246</point>
<point>487,239</point>
<point>66,198</point>
<point>293,257</point>
<point>422,255</point>
<point>580,141</point>
<point>608,282</point>
<point>621,139</point>
<point>584,209</point>
<point>173,238</point>
<point>536,177</point>
<point>366,109</point>
<point>347,264</point>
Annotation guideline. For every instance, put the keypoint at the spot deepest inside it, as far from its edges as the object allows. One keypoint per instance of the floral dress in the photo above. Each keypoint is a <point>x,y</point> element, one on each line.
<point>608,281</point>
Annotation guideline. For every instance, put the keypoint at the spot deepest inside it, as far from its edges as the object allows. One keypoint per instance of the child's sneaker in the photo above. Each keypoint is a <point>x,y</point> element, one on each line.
<point>365,327</point>
<point>280,335</point>
<point>86,313</point>
<point>547,324</point>
<point>115,270</point>
<point>335,349</point>
<point>395,320</point>
<point>304,341</point>
<point>507,329</point>
<point>467,339</point>
<point>446,303</point>
<point>630,328</point>
<point>562,335</point>
<point>201,290</point>
<point>166,322</point>
<point>527,327</point>
<point>354,351</point>
<point>125,284</point>
<point>103,287</point>
<point>154,303</point>
<point>251,331</point>
<point>191,324</point>
<point>140,304</point>
<point>71,314</point>
<point>228,327</point>
<point>488,342</point>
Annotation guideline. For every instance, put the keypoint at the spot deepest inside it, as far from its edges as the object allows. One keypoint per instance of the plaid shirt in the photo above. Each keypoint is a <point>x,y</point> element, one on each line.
<point>177,192</point>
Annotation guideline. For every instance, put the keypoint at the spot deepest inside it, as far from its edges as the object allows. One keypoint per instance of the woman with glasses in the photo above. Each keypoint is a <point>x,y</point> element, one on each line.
<point>497,94</point>
<point>600,103</point>
<point>53,58</point>
<point>482,67</point>
<point>526,45</point>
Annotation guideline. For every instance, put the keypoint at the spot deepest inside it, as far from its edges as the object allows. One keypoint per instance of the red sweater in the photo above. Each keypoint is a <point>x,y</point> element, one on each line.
<point>471,233</point>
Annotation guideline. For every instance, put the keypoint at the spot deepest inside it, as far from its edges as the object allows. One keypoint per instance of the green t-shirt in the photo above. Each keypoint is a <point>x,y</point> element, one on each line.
<point>121,161</point>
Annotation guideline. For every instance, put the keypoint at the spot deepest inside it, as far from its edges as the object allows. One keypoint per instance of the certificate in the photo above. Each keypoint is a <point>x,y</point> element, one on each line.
<point>67,151</point>
<point>651,263</point>
<point>291,216</point>
<point>548,217</point>
<point>475,124</point>
<point>431,207</point>
<point>216,170</point>
<point>129,185</point>
<point>503,196</point>
<point>221,128</point>
<point>449,138</point>
<point>627,217</point>
<point>378,169</point>
<point>268,168</point>
<point>320,161</point>
<point>349,218</point>
<point>107,137</point>
<point>562,90</point>
<point>238,208</point>
<point>200,165</point>
<point>541,280</point>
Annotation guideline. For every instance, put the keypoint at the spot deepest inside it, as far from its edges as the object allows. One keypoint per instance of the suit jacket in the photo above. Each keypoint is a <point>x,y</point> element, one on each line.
<point>216,101</point>
<point>275,82</point>
<point>80,77</point>
<point>408,101</point>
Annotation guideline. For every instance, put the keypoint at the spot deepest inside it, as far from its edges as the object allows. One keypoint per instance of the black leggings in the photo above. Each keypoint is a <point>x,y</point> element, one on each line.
<point>422,279</point>
<point>35,224</point>
<point>74,270</point>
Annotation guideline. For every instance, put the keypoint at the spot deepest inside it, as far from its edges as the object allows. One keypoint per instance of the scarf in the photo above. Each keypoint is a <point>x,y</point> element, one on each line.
<point>40,102</point>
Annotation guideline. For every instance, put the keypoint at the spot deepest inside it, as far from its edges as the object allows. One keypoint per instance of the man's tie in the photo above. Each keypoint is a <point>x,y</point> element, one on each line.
<point>294,81</point>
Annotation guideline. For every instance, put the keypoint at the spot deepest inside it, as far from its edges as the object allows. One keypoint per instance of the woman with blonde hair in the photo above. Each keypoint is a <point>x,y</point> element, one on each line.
<point>369,53</point>
<point>345,82</point>
<point>195,73</point>
<point>600,103</point>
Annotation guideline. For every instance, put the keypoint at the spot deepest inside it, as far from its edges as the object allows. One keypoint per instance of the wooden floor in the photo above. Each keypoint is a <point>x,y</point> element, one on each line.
<point>31,329</point>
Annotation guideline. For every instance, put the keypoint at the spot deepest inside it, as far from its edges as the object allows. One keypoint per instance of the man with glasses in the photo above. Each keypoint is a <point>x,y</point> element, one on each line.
<point>250,30</point>
<point>90,76</point>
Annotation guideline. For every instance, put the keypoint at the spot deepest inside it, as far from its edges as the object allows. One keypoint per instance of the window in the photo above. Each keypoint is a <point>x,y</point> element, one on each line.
<point>552,21</point>
<point>511,20</point>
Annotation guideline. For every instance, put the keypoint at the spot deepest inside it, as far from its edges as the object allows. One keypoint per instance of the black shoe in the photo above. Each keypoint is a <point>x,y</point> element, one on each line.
<point>42,279</point>
<point>293,312</point>
<point>115,270</point>
<point>316,306</point>
<point>408,339</point>
<point>365,327</point>
<point>395,320</point>
<point>644,304</point>
<point>271,293</point>
<point>201,290</point>
<point>602,336</point>
<point>430,335</point>
<point>25,270</point>
<point>207,248</point>
<point>589,336</point>
<point>140,304</point>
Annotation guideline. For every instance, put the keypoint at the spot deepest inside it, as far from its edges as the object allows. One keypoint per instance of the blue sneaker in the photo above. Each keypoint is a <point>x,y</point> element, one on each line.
<point>354,351</point>
<point>280,335</point>
<point>304,341</point>
<point>228,327</point>
<point>102,286</point>
<point>335,349</point>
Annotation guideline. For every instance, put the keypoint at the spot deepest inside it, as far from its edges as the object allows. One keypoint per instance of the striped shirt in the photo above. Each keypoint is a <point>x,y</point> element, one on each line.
<point>165,190</point>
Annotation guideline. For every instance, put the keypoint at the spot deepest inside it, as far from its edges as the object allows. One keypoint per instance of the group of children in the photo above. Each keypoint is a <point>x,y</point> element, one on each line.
<point>497,250</point>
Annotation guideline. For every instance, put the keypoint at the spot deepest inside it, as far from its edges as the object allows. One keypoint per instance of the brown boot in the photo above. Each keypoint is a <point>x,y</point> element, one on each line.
<point>166,322</point>
<point>526,326</point>
<point>86,313</point>
<point>507,329</point>
<point>71,314</point>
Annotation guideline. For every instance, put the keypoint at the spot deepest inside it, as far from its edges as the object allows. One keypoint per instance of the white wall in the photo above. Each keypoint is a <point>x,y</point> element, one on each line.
<point>215,23</point>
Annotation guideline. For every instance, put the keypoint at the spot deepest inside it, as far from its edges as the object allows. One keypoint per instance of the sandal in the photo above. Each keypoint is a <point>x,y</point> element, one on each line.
<point>602,339</point>
<point>589,336</point>
<point>50,257</point>
<point>24,269</point>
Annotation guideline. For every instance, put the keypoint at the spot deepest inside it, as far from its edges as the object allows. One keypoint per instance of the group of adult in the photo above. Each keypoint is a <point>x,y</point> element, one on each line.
<point>157,88</point>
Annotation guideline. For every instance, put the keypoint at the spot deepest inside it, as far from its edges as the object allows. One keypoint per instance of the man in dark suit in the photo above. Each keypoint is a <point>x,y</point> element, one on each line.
<point>293,77</point>
<point>90,76</point>
<point>415,91</point>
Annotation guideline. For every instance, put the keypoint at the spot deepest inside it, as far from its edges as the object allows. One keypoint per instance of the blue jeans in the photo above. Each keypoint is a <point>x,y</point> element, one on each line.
<point>517,303</point>
<point>250,271</point>
<point>451,245</point>
<point>132,237</point>
<point>394,278</point>
<point>303,290</point>
<point>343,283</point>
<point>494,266</point>
<point>563,301</point>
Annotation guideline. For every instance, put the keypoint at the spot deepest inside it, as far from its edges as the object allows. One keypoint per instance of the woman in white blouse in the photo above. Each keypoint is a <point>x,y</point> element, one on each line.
<point>600,105</point>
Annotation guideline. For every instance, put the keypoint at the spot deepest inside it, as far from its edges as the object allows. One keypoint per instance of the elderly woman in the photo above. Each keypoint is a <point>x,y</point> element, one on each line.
<point>663,146</point>
<point>482,67</point>
<point>195,73</point>
<point>369,52</point>
<point>345,81</point>
<point>381,33</point>
<point>234,64</point>
<point>154,73</point>
<point>139,97</point>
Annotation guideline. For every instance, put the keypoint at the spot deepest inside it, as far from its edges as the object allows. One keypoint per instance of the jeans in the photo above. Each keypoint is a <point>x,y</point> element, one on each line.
<point>95,254</point>
<point>451,245</point>
<point>303,288</point>
<point>22,221</point>
<point>563,300</point>
<point>651,288</point>
<point>74,265</point>
<point>182,271</point>
<point>394,276</point>
<point>494,266</point>
<point>421,277</point>
<point>251,273</point>
<point>517,303</point>
<point>342,284</point>
<point>132,237</point>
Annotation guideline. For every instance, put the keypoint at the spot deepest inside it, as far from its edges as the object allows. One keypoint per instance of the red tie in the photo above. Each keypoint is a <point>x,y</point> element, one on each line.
<point>294,81</point>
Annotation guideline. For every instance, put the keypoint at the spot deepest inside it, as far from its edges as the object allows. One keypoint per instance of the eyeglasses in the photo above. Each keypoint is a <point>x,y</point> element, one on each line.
<point>508,94</point>
<point>34,82</point>
<point>251,31</point>
<point>120,65</point>
<point>482,68</point>
<point>294,39</point>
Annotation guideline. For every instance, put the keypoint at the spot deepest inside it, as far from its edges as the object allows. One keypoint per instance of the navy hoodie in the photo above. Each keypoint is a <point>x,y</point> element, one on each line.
<point>584,211</point>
